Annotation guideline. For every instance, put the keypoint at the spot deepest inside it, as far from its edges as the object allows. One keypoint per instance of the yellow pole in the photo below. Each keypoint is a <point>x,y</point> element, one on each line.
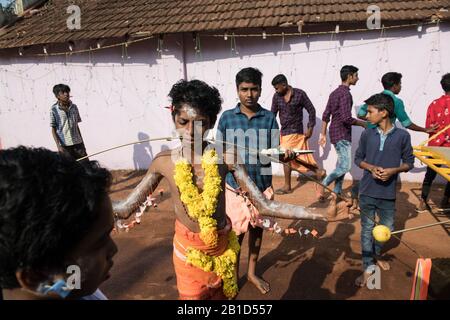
<point>435,135</point>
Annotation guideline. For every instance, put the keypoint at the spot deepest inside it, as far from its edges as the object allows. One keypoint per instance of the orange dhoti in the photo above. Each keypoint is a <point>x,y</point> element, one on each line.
<point>193,283</point>
<point>298,141</point>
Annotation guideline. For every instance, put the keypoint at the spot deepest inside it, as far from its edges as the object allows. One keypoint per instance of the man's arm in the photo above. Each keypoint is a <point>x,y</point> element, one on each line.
<point>325,120</point>
<point>407,160</point>
<point>346,107</point>
<point>360,123</point>
<point>406,122</point>
<point>415,127</point>
<point>376,171</point>
<point>307,104</point>
<point>123,209</point>
<point>53,125</point>
<point>323,134</point>
<point>274,108</point>
<point>360,157</point>
<point>408,153</point>
<point>265,206</point>
<point>78,121</point>
<point>360,154</point>
<point>57,140</point>
<point>362,112</point>
<point>401,114</point>
<point>386,173</point>
<point>404,119</point>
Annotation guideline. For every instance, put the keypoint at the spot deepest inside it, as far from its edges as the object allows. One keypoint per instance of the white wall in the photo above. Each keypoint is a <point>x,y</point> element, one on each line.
<point>122,100</point>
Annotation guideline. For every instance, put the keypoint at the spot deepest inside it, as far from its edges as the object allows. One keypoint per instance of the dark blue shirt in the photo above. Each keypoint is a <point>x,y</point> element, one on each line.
<point>386,152</point>
<point>257,133</point>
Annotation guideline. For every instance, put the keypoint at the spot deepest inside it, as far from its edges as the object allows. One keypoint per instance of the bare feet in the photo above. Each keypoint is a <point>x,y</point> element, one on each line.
<point>340,216</point>
<point>321,174</point>
<point>383,264</point>
<point>361,281</point>
<point>355,205</point>
<point>338,210</point>
<point>320,192</point>
<point>259,283</point>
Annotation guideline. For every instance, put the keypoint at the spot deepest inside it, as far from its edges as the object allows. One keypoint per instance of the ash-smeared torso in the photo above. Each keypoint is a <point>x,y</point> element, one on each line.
<point>166,167</point>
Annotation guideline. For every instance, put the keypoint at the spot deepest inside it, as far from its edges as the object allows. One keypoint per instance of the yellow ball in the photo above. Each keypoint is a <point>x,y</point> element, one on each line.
<point>381,233</point>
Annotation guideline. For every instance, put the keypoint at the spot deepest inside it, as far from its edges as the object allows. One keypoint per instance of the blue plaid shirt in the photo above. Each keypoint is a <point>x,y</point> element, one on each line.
<point>257,133</point>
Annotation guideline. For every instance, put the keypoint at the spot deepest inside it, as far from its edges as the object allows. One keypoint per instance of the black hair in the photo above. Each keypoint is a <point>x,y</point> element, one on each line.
<point>347,71</point>
<point>47,205</point>
<point>279,79</point>
<point>250,75</point>
<point>60,88</point>
<point>198,95</point>
<point>445,82</point>
<point>390,79</point>
<point>382,101</point>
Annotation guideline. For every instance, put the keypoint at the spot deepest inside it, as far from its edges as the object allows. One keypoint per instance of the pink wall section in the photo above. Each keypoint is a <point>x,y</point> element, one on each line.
<point>122,99</point>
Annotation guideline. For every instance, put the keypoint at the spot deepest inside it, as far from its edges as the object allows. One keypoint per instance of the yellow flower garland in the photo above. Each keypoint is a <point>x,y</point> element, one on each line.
<point>202,207</point>
<point>224,266</point>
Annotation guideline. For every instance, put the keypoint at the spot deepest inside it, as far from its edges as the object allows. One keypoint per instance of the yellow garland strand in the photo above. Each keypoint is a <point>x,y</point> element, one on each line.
<point>201,206</point>
<point>223,266</point>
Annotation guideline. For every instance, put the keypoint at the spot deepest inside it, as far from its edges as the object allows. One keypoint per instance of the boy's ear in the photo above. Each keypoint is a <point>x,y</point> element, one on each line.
<point>30,279</point>
<point>39,283</point>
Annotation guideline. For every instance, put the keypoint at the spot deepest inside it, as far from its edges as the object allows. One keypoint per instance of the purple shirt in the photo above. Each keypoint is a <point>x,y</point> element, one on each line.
<point>291,113</point>
<point>339,107</point>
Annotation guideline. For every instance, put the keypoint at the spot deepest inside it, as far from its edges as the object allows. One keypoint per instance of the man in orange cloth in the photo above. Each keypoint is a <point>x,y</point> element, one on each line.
<point>192,282</point>
<point>289,102</point>
<point>205,248</point>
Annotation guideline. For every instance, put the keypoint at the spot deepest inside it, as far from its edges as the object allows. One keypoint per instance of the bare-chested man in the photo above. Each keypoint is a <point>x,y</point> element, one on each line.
<point>195,107</point>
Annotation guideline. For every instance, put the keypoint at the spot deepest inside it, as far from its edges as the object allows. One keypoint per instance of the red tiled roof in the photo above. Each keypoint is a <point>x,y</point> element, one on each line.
<point>116,18</point>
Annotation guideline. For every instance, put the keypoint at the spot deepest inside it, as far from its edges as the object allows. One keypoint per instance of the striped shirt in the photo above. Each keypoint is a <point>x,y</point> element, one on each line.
<point>66,124</point>
<point>259,132</point>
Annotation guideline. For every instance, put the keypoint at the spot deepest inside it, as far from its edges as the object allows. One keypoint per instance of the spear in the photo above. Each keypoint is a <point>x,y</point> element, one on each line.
<point>129,144</point>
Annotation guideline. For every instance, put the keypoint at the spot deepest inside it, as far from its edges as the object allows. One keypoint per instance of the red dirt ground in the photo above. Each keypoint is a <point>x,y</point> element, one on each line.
<point>296,267</point>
